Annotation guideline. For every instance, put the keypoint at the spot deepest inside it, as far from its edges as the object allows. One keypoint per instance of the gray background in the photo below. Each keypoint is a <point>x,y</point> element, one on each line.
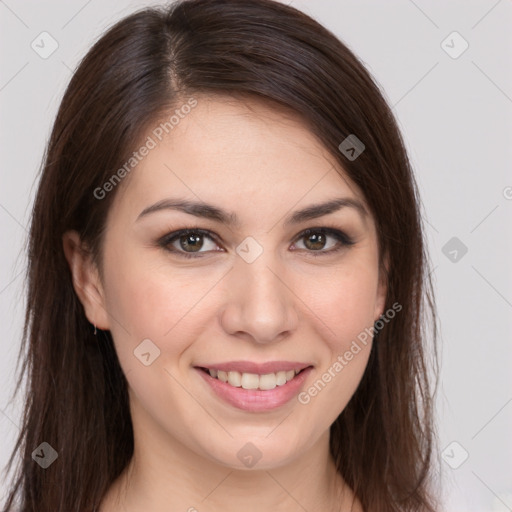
<point>456,116</point>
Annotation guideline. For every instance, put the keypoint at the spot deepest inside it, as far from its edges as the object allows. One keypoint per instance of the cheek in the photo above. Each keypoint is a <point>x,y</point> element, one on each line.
<point>145,303</point>
<point>151,306</point>
<point>331,387</point>
<point>342,300</point>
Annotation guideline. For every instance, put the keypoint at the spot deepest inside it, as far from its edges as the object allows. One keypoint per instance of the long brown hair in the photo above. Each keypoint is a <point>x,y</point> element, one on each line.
<point>141,68</point>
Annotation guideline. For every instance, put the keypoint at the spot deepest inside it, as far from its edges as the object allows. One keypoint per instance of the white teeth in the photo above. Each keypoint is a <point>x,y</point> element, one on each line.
<point>269,381</point>
<point>235,379</point>
<point>250,381</point>
<point>253,380</point>
<point>280,378</point>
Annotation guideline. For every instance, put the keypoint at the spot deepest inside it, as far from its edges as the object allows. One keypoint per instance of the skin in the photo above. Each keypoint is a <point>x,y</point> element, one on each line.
<point>263,164</point>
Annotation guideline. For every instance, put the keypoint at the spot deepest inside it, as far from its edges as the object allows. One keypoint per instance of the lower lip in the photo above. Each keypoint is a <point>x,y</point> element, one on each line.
<point>256,400</point>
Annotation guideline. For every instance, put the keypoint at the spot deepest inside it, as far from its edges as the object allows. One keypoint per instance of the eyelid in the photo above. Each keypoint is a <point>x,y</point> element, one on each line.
<point>169,238</point>
<point>343,239</point>
<point>331,231</point>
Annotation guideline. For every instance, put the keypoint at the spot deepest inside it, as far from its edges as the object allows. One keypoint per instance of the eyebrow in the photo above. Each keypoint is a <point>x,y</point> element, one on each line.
<point>211,212</point>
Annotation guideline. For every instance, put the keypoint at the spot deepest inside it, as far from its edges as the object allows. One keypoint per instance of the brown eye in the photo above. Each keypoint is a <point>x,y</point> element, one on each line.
<point>192,241</point>
<point>186,242</point>
<point>317,240</point>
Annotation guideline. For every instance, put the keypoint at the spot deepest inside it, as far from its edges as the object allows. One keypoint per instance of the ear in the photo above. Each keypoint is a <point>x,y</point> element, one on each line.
<point>86,279</point>
<point>382,288</point>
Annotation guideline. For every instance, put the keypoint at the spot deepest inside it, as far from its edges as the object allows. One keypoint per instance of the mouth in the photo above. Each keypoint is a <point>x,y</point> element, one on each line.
<point>245,380</point>
<point>255,388</point>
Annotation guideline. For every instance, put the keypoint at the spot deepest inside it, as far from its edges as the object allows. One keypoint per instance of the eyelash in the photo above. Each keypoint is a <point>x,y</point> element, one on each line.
<point>341,237</point>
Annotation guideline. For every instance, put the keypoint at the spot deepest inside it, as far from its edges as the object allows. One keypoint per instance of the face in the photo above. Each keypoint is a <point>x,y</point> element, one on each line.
<point>248,295</point>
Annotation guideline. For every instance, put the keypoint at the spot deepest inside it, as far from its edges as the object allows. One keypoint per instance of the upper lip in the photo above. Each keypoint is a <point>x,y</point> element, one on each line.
<point>257,368</point>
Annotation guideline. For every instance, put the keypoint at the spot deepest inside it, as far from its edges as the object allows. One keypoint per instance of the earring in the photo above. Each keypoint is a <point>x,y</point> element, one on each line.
<point>95,330</point>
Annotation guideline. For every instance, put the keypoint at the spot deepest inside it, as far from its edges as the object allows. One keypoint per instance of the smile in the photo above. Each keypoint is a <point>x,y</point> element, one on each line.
<point>253,380</point>
<point>255,387</point>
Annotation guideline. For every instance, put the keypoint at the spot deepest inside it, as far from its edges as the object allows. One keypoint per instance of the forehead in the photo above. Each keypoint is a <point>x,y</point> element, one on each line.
<point>243,152</point>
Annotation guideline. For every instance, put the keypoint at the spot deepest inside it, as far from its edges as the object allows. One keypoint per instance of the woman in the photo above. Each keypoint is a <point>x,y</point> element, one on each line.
<point>228,294</point>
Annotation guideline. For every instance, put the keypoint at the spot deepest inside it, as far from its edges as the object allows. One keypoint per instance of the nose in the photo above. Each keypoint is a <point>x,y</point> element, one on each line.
<point>260,305</point>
